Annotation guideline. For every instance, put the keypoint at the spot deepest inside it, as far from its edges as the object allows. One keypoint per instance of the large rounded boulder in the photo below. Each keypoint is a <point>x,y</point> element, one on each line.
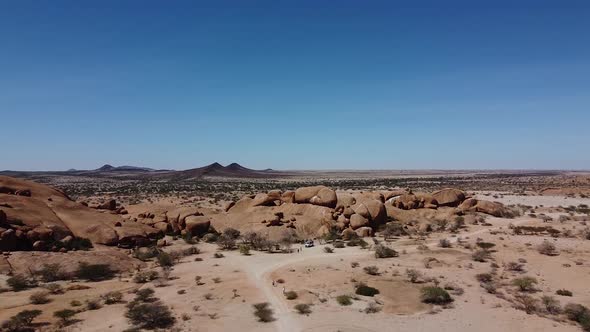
<point>449,197</point>
<point>316,195</point>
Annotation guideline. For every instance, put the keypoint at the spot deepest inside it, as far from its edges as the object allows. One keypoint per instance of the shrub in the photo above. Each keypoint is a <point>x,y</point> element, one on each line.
<point>51,272</point>
<point>371,270</point>
<point>145,276</point>
<point>112,297</point>
<point>303,309</point>
<point>344,299</point>
<point>515,266</point>
<point>382,251</point>
<point>525,284</point>
<point>291,295</point>
<point>435,295</point>
<point>75,303</point>
<point>575,312</point>
<point>354,264</point>
<point>485,245</point>
<point>145,253</point>
<point>149,315</point>
<point>216,280</point>
<point>231,233</point>
<point>393,229</point>
<point>19,282</point>
<point>490,287</point>
<point>547,248</point>
<point>218,255</point>
<point>244,249</point>
<point>263,312</point>
<point>372,308</point>
<point>210,237</point>
<point>21,321</point>
<point>93,305</point>
<point>189,239</point>
<point>365,290</point>
<point>551,305</point>
<point>484,277</point>
<point>338,244</point>
<point>328,250</point>
<point>413,275</point>
<point>357,241</point>
<point>527,303</point>
<point>564,292</point>
<point>226,242</point>
<point>54,288</point>
<point>41,297</point>
<point>64,315</point>
<point>191,251</point>
<point>165,259</point>
<point>480,255</point>
<point>144,295</point>
<point>444,243</point>
<point>94,272</point>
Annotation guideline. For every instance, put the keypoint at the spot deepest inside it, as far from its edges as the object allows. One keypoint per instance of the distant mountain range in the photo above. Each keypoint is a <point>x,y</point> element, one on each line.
<point>213,170</point>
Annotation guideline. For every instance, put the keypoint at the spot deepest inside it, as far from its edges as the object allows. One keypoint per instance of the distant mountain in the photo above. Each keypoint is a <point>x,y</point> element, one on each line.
<point>109,168</point>
<point>217,170</point>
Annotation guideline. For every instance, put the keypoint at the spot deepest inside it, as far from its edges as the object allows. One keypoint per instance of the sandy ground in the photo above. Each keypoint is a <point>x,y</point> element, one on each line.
<point>318,277</point>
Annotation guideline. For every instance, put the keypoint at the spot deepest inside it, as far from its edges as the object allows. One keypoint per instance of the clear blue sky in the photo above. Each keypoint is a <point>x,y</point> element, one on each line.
<point>295,84</point>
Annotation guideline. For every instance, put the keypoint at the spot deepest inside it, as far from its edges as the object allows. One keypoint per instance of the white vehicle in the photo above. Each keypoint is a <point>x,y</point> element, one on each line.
<point>309,244</point>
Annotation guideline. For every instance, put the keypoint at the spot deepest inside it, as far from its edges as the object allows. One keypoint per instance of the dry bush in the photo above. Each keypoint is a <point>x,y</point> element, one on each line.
<point>112,297</point>
<point>21,322</point>
<point>564,292</point>
<point>480,255</point>
<point>444,243</point>
<point>145,276</point>
<point>303,309</point>
<point>291,295</point>
<point>40,297</point>
<point>344,300</point>
<point>382,251</point>
<point>435,295</point>
<point>552,306</point>
<point>547,248</point>
<point>414,275</point>
<point>371,270</point>
<point>372,308</point>
<point>263,312</point>
<point>527,303</point>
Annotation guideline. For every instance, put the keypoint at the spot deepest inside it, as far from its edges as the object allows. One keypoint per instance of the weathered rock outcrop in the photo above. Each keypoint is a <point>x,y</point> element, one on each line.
<point>41,213</point>
<point>317,195</point>
<point>449,197</point>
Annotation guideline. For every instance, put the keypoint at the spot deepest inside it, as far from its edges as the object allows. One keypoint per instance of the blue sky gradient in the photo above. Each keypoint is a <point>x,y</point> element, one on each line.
<point>295,84</point>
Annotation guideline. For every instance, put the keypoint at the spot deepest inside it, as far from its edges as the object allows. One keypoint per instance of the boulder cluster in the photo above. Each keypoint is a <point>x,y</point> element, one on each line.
<point>320,209</point>
<point>37,217</point>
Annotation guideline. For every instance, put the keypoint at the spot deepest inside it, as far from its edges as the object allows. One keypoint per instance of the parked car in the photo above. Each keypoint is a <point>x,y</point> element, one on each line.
<point>309,244</point>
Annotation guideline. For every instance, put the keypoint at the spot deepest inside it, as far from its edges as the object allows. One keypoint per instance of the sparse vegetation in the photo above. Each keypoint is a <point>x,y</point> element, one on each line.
<point>19,282</point>
<point>112,297</point>
<point>94,272</point>
<point>362,289</point>
<point>21,322</point>
<point>290,295</point>
<point>382,251</point>
<point>435,295</point>
<point>65,315</point>
<point>344,300</point>
<point>413,275</point>
<point>547,248</point>
<point>525,284</point>
<point>303,309</point>
<point>371,270</point>
<point>263,312</point>
<point>564,292</point>
<point>40,297</point>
